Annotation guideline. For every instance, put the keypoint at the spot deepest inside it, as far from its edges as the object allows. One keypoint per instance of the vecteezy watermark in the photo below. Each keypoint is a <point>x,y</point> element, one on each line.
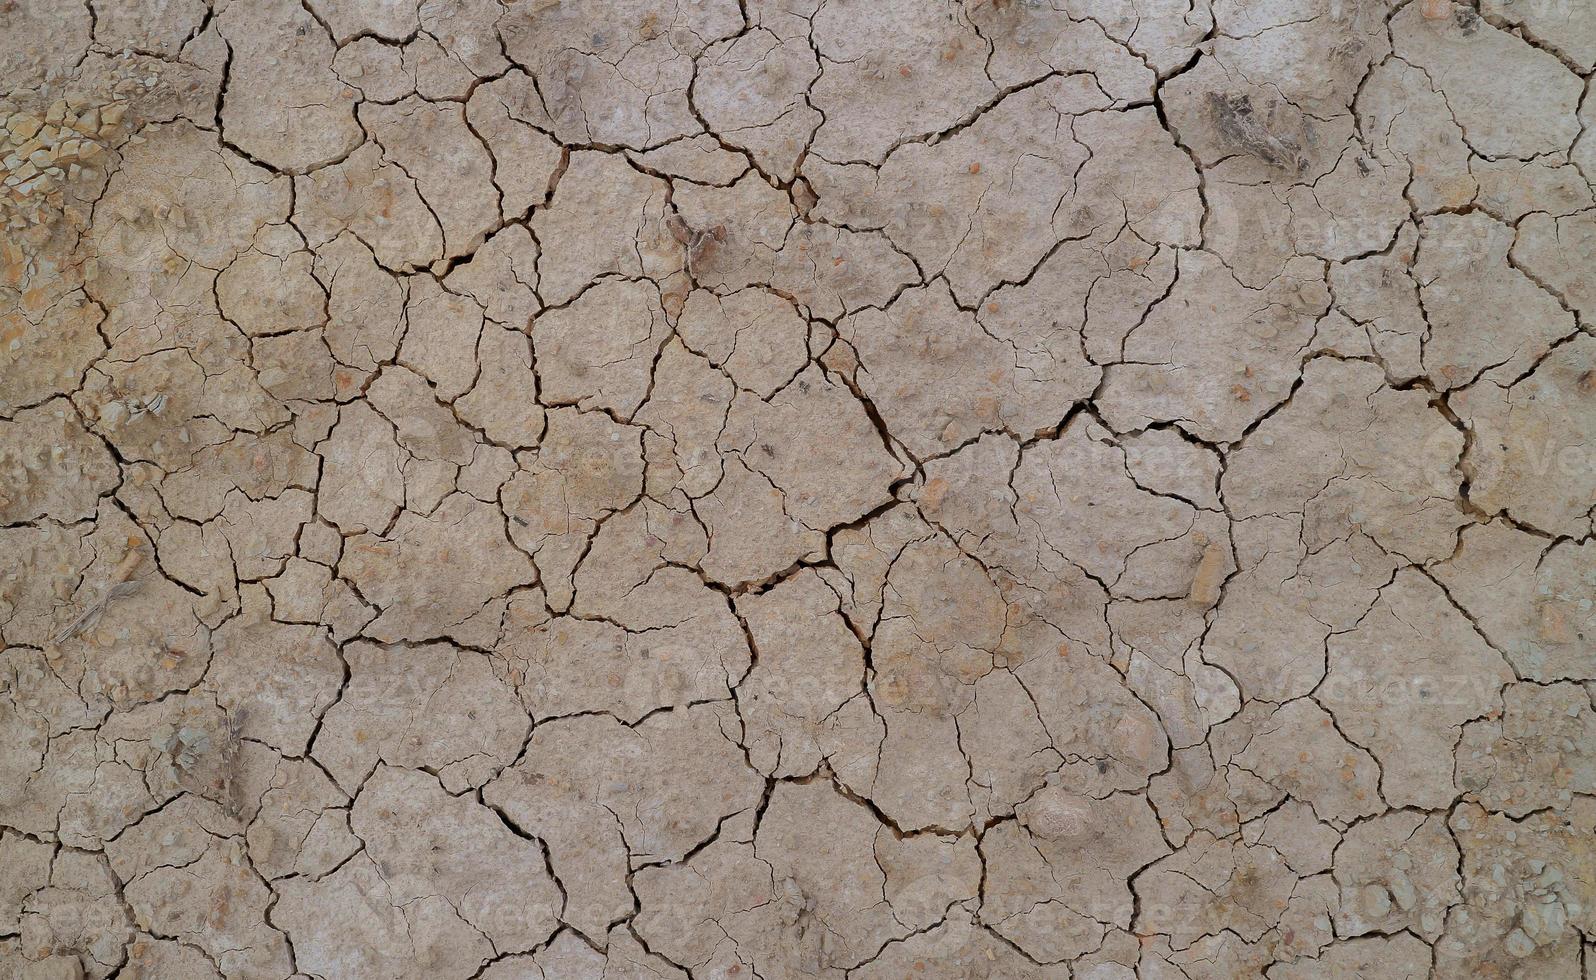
<point>1358,687</point>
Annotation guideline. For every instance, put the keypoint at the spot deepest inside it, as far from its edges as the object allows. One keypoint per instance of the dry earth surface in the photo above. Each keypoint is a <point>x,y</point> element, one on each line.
<point>733,489</point>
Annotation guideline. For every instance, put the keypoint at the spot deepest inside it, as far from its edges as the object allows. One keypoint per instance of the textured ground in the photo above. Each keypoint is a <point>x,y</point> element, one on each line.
<point>627,489</point>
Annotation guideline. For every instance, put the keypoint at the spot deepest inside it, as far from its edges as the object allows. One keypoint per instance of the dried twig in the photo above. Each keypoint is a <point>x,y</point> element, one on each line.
<point>122,584</point>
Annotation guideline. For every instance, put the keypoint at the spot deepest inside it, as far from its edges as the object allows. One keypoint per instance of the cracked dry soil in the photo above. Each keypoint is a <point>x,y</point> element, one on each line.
<point>729,489</point>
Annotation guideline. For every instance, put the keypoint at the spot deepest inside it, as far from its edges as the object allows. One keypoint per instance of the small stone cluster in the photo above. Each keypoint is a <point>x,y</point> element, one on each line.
<point>41,152</point>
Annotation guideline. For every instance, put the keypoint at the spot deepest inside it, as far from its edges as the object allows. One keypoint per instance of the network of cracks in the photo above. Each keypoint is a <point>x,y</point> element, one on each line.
<point>722,489</point>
